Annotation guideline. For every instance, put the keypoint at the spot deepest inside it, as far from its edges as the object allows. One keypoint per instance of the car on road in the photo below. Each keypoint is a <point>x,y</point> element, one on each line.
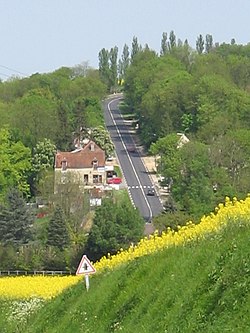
<point>131,149</point>
<point>151,192</point>
<point>114,180</point>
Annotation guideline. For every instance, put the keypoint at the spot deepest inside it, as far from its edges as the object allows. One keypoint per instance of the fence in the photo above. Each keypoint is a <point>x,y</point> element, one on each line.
<point>29,273</point>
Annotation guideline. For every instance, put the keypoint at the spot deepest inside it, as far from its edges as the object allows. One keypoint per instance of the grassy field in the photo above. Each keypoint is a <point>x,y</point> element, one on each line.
<point>199,287</point>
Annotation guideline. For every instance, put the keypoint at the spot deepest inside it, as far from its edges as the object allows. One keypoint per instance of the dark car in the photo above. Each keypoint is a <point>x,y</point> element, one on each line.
<point>151,192</point>
<point>131,149</point>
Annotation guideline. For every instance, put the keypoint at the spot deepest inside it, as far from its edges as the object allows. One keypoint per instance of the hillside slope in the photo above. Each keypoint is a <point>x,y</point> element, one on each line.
<point>202,287</point>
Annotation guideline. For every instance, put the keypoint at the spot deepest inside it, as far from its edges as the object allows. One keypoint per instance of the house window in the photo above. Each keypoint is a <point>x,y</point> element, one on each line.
<point>64,165</point>
<point>86,179</point>
<point>95,163</point>
<point>95,179</point>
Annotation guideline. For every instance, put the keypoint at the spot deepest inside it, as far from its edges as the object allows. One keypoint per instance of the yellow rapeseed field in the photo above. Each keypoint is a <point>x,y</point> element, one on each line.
<point>233,211</point>
<point>35,286</point>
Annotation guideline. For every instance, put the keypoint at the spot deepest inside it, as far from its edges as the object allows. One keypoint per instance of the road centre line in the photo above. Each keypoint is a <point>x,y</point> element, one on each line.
<point>129,158</point>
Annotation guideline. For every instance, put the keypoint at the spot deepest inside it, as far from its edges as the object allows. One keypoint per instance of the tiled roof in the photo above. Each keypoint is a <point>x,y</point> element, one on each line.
<point>81,158</point>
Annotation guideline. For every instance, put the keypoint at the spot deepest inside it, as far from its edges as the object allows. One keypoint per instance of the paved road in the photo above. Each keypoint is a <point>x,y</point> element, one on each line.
<point>134,171</point>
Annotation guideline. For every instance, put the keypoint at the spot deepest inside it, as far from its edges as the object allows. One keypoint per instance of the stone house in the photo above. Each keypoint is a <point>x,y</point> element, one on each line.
<point>85,166</point>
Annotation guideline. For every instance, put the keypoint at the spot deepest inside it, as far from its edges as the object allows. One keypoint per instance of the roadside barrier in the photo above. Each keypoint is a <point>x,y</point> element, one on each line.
<point>29,273</point>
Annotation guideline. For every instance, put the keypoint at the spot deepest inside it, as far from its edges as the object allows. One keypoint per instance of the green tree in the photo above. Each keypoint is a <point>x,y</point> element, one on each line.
<point>124,62</point>
<point>64,136</point>
<point>209,43</point>
<point>136,48</point>
<point>240,70</point>
<point>44,154</point>
<point>171,220</point>
<point>114,227</point>
<point>104,68</point>
<point>138,77</point>
<point>113,55</point>
<point>15,164</point>
<point>233,153</point>
<point>8,257</point>
<point>200,44</point>
<point>57,232</point>
<point>172,41</point>
<point>42,163</point>
<point>165,103</point>
<point>35,116</point>
<point>16,220</point>
<point>73,200</point>
<point>164,44</point>
<point>193,188</point>
<point>101,136</point>
<point>168,161</point>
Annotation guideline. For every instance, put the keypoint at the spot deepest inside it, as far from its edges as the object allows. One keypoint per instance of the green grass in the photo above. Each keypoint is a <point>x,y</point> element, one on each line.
<point>202,287</point>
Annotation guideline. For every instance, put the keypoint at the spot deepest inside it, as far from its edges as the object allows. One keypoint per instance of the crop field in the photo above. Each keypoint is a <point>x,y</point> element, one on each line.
<point>22,296</point>
<point>48,287</point>
<point>44,287</point>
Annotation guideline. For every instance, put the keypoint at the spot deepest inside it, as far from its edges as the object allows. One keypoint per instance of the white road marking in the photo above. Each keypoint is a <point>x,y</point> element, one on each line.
<point>132,165</point>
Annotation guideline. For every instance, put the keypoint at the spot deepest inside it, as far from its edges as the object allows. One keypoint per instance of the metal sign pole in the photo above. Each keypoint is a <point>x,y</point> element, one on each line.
<point>87,281</point>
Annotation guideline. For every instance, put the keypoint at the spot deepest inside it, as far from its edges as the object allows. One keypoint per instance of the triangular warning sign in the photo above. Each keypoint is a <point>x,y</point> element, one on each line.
<point>85,266</point>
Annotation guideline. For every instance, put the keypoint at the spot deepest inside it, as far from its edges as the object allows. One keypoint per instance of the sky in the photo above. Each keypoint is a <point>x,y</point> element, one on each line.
<point>40,36</point>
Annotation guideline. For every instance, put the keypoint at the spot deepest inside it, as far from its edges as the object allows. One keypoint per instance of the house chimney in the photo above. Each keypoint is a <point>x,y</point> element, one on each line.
<point>92,146</point>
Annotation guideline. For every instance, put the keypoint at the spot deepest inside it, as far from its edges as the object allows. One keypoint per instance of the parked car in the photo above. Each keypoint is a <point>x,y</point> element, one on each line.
<point>115,180</point>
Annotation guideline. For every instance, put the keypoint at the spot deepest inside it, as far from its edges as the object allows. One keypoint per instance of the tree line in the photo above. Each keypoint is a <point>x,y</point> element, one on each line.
<point>204,94</point>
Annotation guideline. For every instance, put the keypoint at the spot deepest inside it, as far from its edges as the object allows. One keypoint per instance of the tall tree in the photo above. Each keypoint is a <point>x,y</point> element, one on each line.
<point>16,220</point>
<point>136,48</point>
<point>124,62</point>
<point>200,44</point>
<point>113,55</point>
<point>172,40</point>
<point>209,43</point>
<point>57,232</point>
<point>164,44</point>
<point>65,130</point>
<point>104,68</point>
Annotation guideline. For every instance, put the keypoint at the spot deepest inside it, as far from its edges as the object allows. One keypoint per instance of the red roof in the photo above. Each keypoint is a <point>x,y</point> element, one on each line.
<point>81,158</point>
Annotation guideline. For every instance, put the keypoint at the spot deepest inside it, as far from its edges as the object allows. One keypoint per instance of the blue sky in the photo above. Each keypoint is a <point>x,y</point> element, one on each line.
<point>44,35</point>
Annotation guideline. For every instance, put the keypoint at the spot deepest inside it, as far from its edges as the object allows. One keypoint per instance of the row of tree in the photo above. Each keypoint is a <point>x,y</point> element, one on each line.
<point>203,94</point>
<point>113,69</point>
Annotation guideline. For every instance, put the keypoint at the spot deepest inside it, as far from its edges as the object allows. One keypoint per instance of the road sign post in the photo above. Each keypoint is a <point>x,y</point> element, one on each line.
<point>85,268</point>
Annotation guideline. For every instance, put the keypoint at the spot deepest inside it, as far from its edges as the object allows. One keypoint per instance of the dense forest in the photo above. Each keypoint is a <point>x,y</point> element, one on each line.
<point>202,93</point>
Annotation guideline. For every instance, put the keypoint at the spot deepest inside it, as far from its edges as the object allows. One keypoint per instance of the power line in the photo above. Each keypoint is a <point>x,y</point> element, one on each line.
<point>13,70</point>
<point>5,74</point>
